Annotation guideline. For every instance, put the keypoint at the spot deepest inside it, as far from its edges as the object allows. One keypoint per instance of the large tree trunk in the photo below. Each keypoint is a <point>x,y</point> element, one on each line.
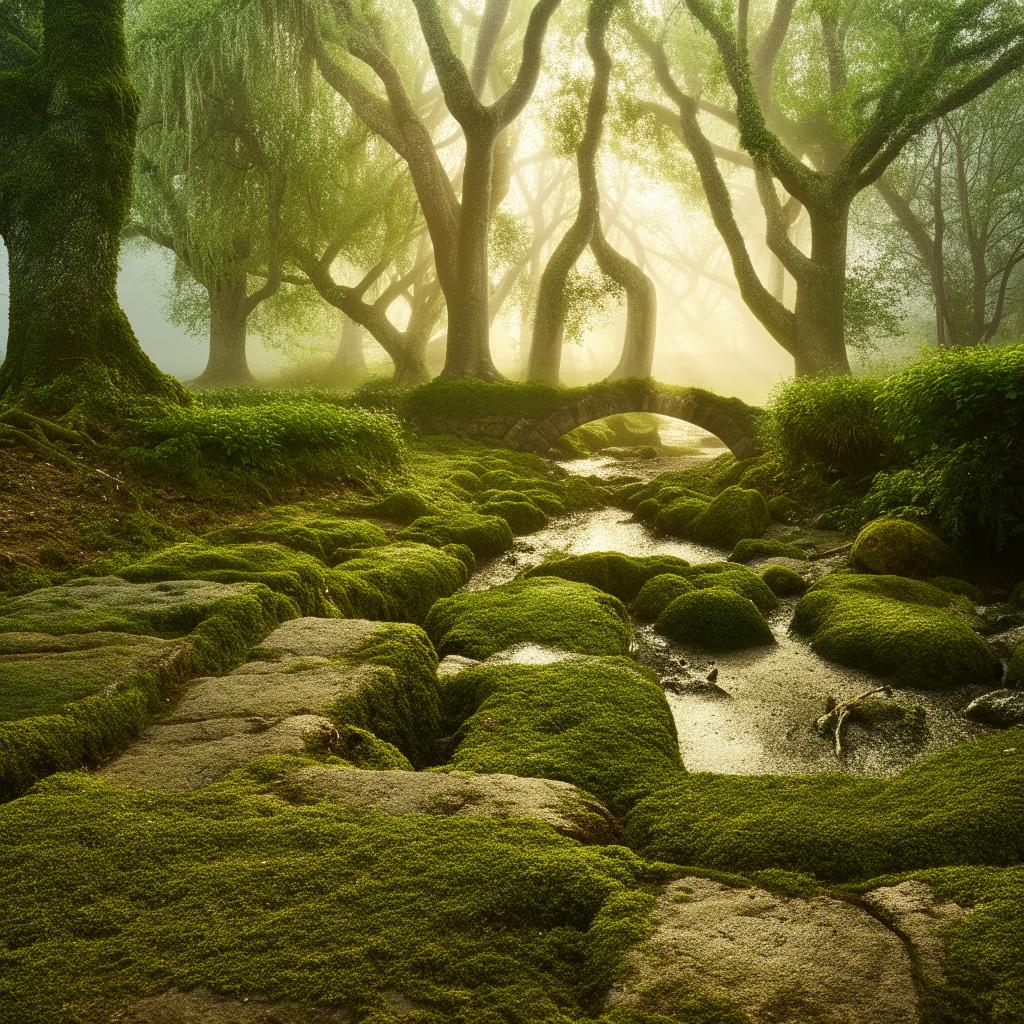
<point>821,296</point>
<point>65,181</point>
<point>227,365</point>
<point>411,363</point>
<point>468,297</point>
<point>637,357</point>
<point>349,362</point>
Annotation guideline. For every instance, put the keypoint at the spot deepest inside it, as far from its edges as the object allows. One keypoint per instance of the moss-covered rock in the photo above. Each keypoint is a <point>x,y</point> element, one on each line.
<point>617,574</point>
<point>957,586</point>
<point>659,592</point>
<point>715,619</point>
<point>303,530</point>
<point>783,509</point>
<point>403,506</point>
<point>895,547</point>
<point>522,516</point>
<point>601,723</point>
<point>1015,666</point>
<point>783,581</point>
<point>485,536</point>
<point>963,805</point>
<point>902,630</point>
<point>749,549</point>
<point>735,514</point>
<point>676,518</point>
<point>543,610</point>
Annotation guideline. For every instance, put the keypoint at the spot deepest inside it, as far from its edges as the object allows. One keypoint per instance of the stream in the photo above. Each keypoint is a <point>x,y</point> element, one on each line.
<point>765,724</point>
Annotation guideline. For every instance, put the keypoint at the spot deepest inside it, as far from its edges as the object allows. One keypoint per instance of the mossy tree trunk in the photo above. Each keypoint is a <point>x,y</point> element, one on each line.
<point>67,129</point>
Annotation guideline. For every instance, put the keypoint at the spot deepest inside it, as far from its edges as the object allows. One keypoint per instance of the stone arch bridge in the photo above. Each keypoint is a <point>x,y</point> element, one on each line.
<point>529,417</point>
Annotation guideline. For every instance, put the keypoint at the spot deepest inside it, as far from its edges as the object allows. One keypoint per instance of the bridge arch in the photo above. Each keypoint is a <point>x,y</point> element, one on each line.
<point>729,419</point>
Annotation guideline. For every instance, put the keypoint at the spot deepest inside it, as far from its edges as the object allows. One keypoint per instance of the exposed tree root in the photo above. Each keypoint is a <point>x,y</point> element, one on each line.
<point>837,716</point>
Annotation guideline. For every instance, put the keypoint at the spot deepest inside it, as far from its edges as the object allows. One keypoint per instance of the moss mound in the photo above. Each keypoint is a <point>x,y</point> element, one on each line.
<point>895,547</point>
<point>783,509</point>
<point>715,619</point>
<point>749,549</point>
<point>341,908</point>
<point>617,574</point>
<point>403,506</point>
<point>485,536</point>
<point>301,577</point>
<point>398,582</point>
<point>674,519</point>
<point>783,581</point>
<point>896,628</point>
<point>523,516</point>
<point>963,805</point>
<point>1015,666</point>
<point>735,514</point>
<point>600,723</point>
<point>302,530</point>
<point>544,610</point>
<point>660,591</point>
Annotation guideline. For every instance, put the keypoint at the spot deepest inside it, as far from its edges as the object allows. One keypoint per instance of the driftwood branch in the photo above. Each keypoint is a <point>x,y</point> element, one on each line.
<point>837,716</point>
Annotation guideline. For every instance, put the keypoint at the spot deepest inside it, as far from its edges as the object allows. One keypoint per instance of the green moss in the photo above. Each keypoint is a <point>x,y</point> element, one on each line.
<point>715,619</point>
<point>466,479</point>
<point>958,586</point>
<point>398,582</point>
<point>403,506</point>
<point>600,723</point>
<point>1015,666</point>
<point>675,519</point>
<point>896,628</point>
<point>783,581</point>
<point>783,509</point>
<point>895,547</point>
<point>656,595</point>
<point>617,574</point>
<point>463,554</point>
<point>303,530</point>
<point>110,896</point>
<point>647,510</point>
<point>735,514</point>
<point>522,516</point>
<point>299,576</point>
<point>963,805</point>
<point>579,494</point>
<point>485,536</point>
<point>749,549</point>
<point>545,610</point>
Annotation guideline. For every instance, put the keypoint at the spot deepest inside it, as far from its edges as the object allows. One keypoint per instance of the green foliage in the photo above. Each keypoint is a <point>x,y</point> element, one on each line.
<point>303,529</point>
<point>600,723</point>
<point>280,442</point>
<point>783,509</point>
<point>963,805</point>
<point>673,519</point>
<point>546,611</point>
<point>403,506</point>
<point>894,547</point>
<point>749,549</point>
<point>523,516</point>
<point>715,619</point>
<point>783,581</point>
<point>908,632</point>
<point>485,536</point>
<point>620,575</point>
<point>113,895</point>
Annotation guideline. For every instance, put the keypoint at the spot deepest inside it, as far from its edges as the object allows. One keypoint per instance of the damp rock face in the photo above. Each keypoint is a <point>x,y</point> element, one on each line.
<point>778,960</point>
<point>1003,708</point>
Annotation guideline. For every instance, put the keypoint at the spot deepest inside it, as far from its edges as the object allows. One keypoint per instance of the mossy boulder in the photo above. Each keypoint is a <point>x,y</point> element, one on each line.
<point>899,629</point>
<point>303,530</point>
<point>715,619</point>
<point>617,574</point>
<point>545,610</point>
<point>656,595</point>
<point>522,516</point>
<point>750,549</point>
<point>676,518</point>
<point>957,586</point>
<point>963,805</point>
<point>600,723</point>
<point>403,506</point>
<point>783,581</point>
<point>896,547</point>
<point>783,509</point>
<point>1015,666</point>
<point>486,536</point>
<point>736,513</point>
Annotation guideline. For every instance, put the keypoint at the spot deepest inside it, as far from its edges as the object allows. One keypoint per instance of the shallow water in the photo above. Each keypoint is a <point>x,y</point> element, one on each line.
<point>765,724</point>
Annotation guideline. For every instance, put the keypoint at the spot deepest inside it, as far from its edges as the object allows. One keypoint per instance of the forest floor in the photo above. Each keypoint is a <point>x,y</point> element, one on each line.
<point>375,755</point>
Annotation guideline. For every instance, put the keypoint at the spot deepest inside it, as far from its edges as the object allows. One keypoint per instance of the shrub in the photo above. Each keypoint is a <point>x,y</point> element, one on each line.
<point>715,619</point>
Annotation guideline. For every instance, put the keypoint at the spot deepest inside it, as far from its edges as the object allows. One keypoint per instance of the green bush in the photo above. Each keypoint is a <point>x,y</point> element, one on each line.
<point>715,619</point>
<point>783,509</point>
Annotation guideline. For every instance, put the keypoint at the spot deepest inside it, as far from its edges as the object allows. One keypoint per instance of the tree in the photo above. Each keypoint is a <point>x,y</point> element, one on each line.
<point>458,226</point>
<point>68,115</point>
<point>890,70</point>
<point>957,197</point>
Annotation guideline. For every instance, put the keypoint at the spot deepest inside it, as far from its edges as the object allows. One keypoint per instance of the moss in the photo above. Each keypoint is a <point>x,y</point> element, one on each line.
<point>467,480</point>
<point>398,582</point>
<point>896,628</point>
<point>675,519</point>
<point>963,805</point>
<point>735,514</point>
<point>749,549</point>
<point>579,494</point>
<point>600,723</point>
<point>301,577</point>
<point>112,895</point>
<point>715,619</point>
<point>895,547</point>
<point>303,530</point>
<point>545,610</point>
<point>617,574</point>
<point>550,504</point>
<point>783,509</point>
<point>958,586</point>
<point>656,595</point>
<point>522,516</point>
<point>1015,666</point>
<point>463,554</point>
<point>485,536</point>
<point>403,506</point>
<point>783,581</point>
<point>647,510</point>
